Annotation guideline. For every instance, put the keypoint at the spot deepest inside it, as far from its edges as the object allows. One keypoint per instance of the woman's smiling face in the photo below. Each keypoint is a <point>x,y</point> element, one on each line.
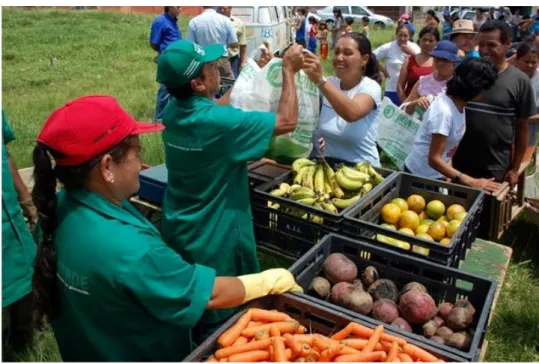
<point>347,60</point>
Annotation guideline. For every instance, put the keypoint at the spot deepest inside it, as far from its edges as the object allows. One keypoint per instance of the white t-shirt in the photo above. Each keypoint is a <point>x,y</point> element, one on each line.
<point>478,23</point>
<point>394,57</point>
<point>442,117</point>
<point>355,141</point>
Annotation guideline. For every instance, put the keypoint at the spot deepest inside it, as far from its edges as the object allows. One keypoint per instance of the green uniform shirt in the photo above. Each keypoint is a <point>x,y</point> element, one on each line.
<point>206,211</point>
<point>124,294</point>
<point>18,247</point>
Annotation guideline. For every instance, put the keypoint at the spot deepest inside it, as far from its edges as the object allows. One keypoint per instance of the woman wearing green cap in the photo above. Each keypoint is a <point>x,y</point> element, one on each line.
<point>110,286</point>
<point>206,210</point>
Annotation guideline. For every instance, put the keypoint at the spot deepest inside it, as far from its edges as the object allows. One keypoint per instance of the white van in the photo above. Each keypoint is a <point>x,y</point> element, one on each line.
<point>269,24</point>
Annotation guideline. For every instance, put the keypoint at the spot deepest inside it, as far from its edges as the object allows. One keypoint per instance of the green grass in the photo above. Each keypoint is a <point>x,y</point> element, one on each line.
<point>108,53</point>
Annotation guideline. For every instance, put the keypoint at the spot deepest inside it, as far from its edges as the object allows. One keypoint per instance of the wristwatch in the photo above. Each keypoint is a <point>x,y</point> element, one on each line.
<point>457,177</point>
<point>322,82</point>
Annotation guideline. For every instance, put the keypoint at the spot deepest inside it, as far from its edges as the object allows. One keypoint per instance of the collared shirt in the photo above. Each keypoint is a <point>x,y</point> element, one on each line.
<point>124,294</point>
<point>210,28</point>
<point>241,33</point>
<point>164,31</point>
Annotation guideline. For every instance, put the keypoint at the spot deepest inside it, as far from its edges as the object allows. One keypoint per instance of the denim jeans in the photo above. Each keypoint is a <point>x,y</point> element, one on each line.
<point>235,64</point>
<point>162,99</point>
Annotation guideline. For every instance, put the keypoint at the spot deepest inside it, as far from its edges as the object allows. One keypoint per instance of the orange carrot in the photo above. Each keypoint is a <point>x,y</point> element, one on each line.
<point>230,335</point>
<point>255,324</point>
<point>258,314</point>
<point>231,350</point>
<point>285,327</point>
<point>346,350</point>
<point>361,357</point>
<point>357,344</point>
<point>292,343</point>
<point>301,330</point>
<point>393,352</point>
<point>249,357</point>
<point>328,354</point>
<point>344,333</point>
<point>366,332</point>
<point>304,338</point>
<point>270,350</point>
<point>212,359</point>
<point>373,340</point>
<point>241,340</point>
<point>262,334</point>
<point>312,356</point>
<point>279,351</point>
<point>274,331</point>
<point>322,342</point>
<point>289,354</point>
<point>396,360</point>
<point>405,358</point>
<point>224,360</point>
<point>417,353</point>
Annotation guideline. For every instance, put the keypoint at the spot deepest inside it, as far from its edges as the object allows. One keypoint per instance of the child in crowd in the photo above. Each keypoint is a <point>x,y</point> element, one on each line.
<point>365,26</point>
<point>348,28</point>
<point>313,32</point>
<point>323,39</point>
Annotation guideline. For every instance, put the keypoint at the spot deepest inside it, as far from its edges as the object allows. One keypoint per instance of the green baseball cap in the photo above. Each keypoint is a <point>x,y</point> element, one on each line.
<point>182,61</point>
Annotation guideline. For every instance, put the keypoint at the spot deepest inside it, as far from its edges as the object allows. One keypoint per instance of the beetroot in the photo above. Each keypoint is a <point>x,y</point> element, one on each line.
<point>438,339</point>
<point>413,286</point>
<point>460,340</point>
<point>385,310</point>
<point>444,332</point>
<point>384,288</point>
<point>402,324</point>
<point>444,309</point>
<point>369,276</point>
<point>417,307</point>
<point>358,285</point>
<point>338,268</point>
<point>321,287</point>
<point>459,318</point>
<point>429,329</point>
<point>465,304</point>
<point>439,321</point>
<point>358,301</point>
<point>338,292</point>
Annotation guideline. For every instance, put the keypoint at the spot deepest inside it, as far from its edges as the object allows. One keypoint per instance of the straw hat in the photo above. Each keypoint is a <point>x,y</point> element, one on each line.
<point>463,26</point>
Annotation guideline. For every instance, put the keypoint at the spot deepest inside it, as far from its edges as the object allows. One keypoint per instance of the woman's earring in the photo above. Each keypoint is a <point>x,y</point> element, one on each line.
<point>110,179</point>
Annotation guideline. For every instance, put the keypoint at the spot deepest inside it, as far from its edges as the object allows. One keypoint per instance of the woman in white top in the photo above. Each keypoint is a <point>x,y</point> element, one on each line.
<point>444,125</point>
<point>478,19</point>
<point>395,53</point>
<point>351,102</point>
<point>527,61</point>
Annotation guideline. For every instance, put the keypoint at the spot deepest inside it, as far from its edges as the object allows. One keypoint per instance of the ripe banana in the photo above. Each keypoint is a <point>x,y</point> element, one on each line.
<point>330,176</point>
<point>362,167</point>
<point>308,180</point>
<point>329,207</point>
<point>319,180</point>
<point>366,188</point>
<point>390,241</point>
<point>285,187</point>
<point>307,201</point>
<point>300,163</point>
<point>300,175</point>
<point>327,187</point>
<point>355,175</point>
<point>278,193</point>
<point>294,188</point>
<point>301,193</point>
<point>274,205</point>
<point>342,204</point>
<point>345,182</point>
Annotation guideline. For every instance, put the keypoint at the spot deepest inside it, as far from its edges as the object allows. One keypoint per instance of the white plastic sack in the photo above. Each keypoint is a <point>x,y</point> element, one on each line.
<point>260,90</point>
<point>396,132</point>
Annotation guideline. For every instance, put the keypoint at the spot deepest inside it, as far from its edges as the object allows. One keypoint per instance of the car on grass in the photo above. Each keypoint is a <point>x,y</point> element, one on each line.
<point>357,13</point>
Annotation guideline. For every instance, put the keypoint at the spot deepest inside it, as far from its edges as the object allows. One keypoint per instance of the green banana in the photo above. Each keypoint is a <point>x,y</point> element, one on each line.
<point>317,219</point>
<point>294,188</point>
<point>342,204</point>
<point>307,201</point>
<point>329,207</point>
<point>362,167</point>
<point>285,187</point>
<point>308,180</point>
<point>274,205</point>
<point>375,175</point>
<point>319,180</point>
<point>345,182</point>
<point>300,163</point>
<point>366,188</point>
<point>355,175</point>
<point>301,193</point>
<point>378,179</point>
<point>300,175</point>
<point>278,193</point>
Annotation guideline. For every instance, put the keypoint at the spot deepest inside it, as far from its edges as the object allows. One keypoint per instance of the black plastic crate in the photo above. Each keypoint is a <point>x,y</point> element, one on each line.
<point>153,182</point>
<point>362,220</point>
<point>303,228</point>
<point>263,171</point>
<point>316,318</point>
<point>449,285</point>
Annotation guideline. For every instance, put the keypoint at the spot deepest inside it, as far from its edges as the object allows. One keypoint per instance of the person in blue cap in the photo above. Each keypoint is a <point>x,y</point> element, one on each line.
<point>447,25</point>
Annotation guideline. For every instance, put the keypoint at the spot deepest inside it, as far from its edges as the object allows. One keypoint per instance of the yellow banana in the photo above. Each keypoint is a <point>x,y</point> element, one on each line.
<point>319,180</point>
<point>390,241</point>
<point>300,175</point>
<point>274,205</point>
<point>421,250</point>
<point>366,188</point>
<point>330,176</point>
<point>307,201</point>
<point>362,167</point>
<point>329,207</point>
<point>355,175</point>
<point>345,182</point>
<point>300,163</point>
<point>342,203</point>
<point>308,180</point>
<point>327,188</point>
<point>285,187</point>
<point>302,193</point>
<point>317,219</point>
<point>294,188</point>
<point>278,193</point>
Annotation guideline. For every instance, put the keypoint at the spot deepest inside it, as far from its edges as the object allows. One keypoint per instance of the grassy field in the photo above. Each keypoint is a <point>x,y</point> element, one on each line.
<point>108,53</point>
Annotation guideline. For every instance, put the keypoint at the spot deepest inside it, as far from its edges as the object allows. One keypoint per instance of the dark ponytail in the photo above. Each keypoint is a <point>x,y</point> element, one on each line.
<point>45,289</point>
<point>364,46</point>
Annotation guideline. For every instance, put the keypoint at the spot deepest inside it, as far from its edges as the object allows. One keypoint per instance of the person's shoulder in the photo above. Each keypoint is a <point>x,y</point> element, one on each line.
<point>515,76</point>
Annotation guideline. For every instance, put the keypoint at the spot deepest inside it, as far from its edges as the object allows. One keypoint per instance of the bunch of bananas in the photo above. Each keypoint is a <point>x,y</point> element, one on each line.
<point>317,184</point>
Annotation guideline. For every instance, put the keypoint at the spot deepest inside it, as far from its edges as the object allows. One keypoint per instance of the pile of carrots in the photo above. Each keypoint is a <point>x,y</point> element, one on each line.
<point>272,336</point>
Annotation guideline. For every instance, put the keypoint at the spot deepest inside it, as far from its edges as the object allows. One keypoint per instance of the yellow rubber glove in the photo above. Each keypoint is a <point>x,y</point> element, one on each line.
<point>271,281</point>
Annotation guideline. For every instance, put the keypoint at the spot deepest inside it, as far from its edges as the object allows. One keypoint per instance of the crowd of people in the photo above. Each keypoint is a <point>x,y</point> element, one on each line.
<point>114,288</point>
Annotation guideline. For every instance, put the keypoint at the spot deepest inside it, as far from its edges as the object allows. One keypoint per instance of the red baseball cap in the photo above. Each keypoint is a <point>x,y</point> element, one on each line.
<point>86,127</point>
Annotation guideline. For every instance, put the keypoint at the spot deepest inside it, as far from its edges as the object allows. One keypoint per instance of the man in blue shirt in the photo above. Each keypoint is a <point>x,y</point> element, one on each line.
<point>447,25</point>
<point>164,31</point>
<point>213,28</point>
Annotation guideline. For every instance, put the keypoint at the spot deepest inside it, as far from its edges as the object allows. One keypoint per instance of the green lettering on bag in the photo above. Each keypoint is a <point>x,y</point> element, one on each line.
<point>389,111</point>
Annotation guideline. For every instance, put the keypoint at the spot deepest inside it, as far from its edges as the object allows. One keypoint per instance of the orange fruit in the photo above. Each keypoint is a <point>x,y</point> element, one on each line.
<point>409,219</point>
<point>453,227</point>
<point>422,229</point>
<point>407,231</point>
<point>453,210</point>
<point>401,203</point>
<point>460,216</point>
<point>416,203</point>
<point>426,222</point>
<point>445,241</point>
<point>422,216</point>
<point>435,209</point>
<point>437,230</point>
<point>391,213</point>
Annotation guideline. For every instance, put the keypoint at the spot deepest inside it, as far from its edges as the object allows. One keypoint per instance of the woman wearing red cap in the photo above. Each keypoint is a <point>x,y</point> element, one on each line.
<point>112,289</point>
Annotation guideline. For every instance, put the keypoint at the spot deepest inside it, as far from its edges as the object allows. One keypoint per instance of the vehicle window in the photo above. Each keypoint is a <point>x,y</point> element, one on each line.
<point>280,13</point>
<point>345,10</point>
<point>245,13</point>
<point>469,15</point>
<point>273,14</point>
<point>358,10</point>
<point>264,16</point>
